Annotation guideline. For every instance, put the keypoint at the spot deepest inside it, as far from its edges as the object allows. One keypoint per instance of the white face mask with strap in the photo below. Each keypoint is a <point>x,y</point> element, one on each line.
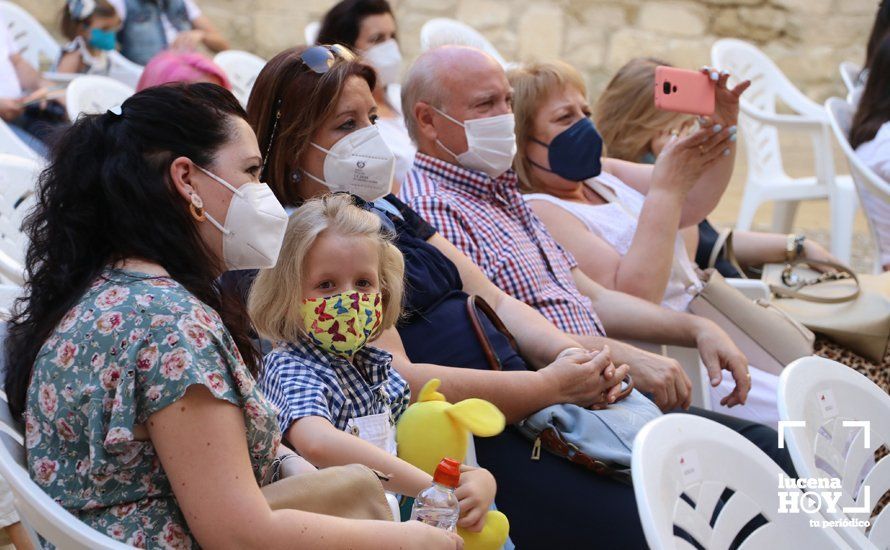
<point>360,163</point>
<point>254,226</point>
<point>491,143</point>
<point>386,60</point>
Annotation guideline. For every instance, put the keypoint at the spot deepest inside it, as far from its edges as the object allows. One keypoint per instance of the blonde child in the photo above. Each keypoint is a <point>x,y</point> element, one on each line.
<point>337,285</point>
<point>91,27</point>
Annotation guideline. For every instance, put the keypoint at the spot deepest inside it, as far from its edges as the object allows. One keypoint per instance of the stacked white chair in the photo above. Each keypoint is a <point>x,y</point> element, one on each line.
<point>18,177</point>
<point>443,31</point>
<point>10,144</point>
<point>850,75</point>
<point>123,70</point>
<point>92,94</point>
<point>761,123</point>
<point>37,510</point>
<point>36,45</point>
<point>242,68</point>
<point>826,395</point>
<point>310,33</point>
<point>697,480</point>
<point>840,115</point>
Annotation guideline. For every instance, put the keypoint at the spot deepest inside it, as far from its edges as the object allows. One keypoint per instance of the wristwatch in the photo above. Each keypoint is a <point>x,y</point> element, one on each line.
<point>793,247</point>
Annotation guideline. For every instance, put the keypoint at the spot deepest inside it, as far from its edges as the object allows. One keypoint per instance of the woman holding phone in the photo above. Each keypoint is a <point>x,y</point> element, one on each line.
<point>621,220</point>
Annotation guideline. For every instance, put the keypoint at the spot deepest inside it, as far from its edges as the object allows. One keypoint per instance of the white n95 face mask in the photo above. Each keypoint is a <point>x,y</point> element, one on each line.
<point>360,163</point>
<point>254,226</point>
<point>386,58</point>
<point>491,143</point>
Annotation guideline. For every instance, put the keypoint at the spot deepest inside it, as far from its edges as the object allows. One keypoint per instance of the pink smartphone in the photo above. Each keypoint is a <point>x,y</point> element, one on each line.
<point>684,91</point>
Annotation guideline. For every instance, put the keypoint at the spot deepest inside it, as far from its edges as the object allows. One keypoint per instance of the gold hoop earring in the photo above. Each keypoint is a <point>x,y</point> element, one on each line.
<point>196,207</point>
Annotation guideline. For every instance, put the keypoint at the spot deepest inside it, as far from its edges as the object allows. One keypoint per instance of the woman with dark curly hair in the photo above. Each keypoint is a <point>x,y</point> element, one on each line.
<point>138,213</point>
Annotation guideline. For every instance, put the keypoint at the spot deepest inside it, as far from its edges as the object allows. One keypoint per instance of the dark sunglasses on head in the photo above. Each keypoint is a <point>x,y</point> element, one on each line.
<point>386,224</point>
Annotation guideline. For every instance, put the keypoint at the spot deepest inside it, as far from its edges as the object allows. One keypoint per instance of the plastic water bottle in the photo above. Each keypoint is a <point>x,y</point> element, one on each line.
<point>437,505</point>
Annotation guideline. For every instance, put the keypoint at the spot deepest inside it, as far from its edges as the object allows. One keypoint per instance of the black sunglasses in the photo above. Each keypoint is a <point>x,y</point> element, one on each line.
<point>386,224</point>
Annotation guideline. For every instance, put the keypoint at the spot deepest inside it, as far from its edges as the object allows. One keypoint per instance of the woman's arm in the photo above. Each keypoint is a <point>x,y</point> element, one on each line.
<point>324,445</point>
<point>212,38</point>
<point>539,341</point>
<point>202,445</point>
<point>71,62</point>
<point>646,268</point>
<point>754,249</point>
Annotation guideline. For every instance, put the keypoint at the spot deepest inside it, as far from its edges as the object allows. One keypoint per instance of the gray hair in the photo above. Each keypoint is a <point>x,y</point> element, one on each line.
<point>420,85</point>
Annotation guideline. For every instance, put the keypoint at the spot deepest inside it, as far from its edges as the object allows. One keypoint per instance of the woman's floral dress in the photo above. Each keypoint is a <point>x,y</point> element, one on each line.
<point>129,348</point>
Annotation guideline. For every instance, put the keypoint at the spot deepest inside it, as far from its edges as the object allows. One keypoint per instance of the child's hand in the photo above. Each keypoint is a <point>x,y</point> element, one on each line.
<point>475,494</point>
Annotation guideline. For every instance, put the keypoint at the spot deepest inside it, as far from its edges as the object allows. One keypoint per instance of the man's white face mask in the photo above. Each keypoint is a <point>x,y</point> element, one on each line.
<point>491,143</point>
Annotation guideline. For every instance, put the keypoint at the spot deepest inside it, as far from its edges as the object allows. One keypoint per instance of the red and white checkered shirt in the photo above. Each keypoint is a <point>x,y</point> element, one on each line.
<point>490,222</point>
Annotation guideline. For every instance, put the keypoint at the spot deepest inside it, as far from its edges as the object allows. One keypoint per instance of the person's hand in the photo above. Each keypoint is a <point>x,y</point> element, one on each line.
<point>685,158</point>
<point>726,101</point>
<point>718,352</point>
<point>10,109</point>
<point>475,494</point>
<point>586,378</point>
<point>660,376</point>
<point>188,41</point>
<point>421,535</point>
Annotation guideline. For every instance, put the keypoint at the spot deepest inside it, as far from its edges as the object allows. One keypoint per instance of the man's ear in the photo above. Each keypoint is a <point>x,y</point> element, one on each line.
<point>423,114</point>
<point>182,170</point>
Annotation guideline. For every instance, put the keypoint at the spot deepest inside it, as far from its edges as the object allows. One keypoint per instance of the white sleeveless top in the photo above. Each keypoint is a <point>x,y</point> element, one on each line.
<point>616,223</point>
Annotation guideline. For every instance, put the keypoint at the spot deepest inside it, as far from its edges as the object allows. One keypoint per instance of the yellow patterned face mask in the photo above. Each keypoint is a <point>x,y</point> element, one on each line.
<point>342,323</point>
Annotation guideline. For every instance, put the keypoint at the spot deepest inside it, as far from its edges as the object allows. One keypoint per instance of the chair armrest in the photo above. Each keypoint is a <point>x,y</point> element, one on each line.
<point>751,288</point>
<point>799,123</point>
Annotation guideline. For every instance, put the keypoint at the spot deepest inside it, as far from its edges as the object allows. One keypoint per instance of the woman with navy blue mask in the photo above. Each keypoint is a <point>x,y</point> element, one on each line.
<point>621,220</point>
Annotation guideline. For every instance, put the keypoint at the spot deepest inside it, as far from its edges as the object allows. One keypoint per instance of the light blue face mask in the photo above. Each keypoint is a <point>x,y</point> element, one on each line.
<point>102,39</point>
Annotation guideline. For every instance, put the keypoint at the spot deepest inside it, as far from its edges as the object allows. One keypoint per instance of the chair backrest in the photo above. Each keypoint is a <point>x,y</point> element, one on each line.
<point>123,70</point>
<point>10,144</point>
<point>18,178</point>
<point>696,480</point>
<point>840,117</point>
<point>443,31</point>
<point>36,44</point>
<point>769,88</point>
<point>242,68</point>
<point>310,33</point>
<point>37,509</point>
<point>826,395</point>
<point>850,74</point>
<point>93,94</point>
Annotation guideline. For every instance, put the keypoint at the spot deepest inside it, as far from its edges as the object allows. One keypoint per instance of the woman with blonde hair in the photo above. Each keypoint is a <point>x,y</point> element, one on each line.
<point>636,131</point>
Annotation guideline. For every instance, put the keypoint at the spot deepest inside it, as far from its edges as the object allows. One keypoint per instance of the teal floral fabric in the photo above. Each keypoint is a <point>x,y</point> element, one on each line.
<point>129,348</point>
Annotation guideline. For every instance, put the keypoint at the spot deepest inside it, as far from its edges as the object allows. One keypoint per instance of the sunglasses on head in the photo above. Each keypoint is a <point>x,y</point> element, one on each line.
<point>386,224</point>
<point>318,59</point>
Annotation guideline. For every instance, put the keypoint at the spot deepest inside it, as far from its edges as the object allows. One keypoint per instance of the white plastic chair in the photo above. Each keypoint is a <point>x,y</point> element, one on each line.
<point>850,75</point>
<point>93,94</point>
<point>694,478</point>
<point>310,33</point>
<point>18,177</point>
<point>825,395</point>
<point>760,125</point>
<point>242,68</point>
<point>37,509</point>
<point>10,144</point>
<point>123,70</point>
<point>840,116</point>
<point>35,43</point>
<point>443,31</point>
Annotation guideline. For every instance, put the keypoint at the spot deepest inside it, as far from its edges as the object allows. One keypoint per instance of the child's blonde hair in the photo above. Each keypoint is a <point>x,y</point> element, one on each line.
<point>275,298</point>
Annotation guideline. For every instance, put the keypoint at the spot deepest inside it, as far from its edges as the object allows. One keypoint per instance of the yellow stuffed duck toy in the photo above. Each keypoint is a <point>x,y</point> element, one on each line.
<point>432,429</point>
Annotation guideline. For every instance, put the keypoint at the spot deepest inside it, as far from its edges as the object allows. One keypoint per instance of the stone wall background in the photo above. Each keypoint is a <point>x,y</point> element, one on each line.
<point>807,38</point>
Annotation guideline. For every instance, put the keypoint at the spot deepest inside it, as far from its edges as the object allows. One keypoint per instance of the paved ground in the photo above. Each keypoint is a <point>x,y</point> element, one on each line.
<point>813,217</point>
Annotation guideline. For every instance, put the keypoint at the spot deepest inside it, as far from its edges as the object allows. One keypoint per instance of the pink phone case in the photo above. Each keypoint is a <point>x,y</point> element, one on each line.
<point>684,91</point>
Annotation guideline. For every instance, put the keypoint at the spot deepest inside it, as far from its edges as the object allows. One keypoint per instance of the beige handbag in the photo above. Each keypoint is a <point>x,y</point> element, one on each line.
<point>851,310</point>
<point>353,492</point>
<point>769,337</point>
